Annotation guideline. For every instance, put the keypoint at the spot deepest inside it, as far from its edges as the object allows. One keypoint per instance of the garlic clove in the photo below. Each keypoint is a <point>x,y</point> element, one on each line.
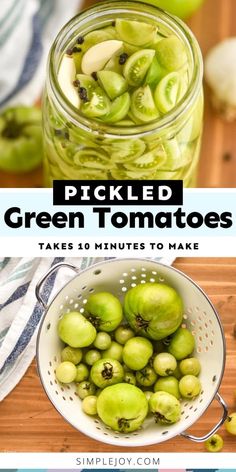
<point>66,77</point>
<point>220,74</point>
<point>98,55</point>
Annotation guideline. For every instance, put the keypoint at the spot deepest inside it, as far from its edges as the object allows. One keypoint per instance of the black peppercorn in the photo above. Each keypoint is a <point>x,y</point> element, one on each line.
<point>80,40</point>
<point>94,75</point>
<point>123,58</point>
<point>76,83</point>
<point>83,94</point>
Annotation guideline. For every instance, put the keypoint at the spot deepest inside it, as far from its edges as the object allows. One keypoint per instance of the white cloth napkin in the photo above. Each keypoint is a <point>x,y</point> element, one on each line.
<point>27,30</point>
<point>20,313</point>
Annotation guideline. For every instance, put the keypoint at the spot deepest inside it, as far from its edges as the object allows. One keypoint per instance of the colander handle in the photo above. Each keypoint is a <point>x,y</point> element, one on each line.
<point>218,425</point>
<point>45,276</point>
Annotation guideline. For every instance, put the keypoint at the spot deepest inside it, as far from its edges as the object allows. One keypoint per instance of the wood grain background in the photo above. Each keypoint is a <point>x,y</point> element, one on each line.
<point>215,21</point>
<point>29,423</point>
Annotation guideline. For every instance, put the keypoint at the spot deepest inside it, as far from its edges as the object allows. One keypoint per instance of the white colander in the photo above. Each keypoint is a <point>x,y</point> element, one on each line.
<point>117,276</point>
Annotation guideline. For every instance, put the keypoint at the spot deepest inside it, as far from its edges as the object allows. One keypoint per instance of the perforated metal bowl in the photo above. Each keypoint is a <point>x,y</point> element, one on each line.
<point>117,276</point>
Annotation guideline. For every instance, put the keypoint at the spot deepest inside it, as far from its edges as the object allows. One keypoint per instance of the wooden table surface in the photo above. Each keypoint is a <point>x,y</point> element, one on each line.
<point>30,423</point>
<point>214,22</point>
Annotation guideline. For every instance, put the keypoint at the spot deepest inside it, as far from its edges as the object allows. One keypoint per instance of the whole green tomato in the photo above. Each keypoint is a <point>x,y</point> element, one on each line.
<point>104,311</point>
<point>165,407</point>
<point>21,143</point>
<point>153,310</point>
<point>75,330</point>
<point>230,424</point>
<point>123,407</point>
<point>181,8</point>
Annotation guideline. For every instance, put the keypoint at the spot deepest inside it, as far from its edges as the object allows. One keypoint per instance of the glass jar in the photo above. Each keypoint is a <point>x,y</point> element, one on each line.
<point>80,148</point>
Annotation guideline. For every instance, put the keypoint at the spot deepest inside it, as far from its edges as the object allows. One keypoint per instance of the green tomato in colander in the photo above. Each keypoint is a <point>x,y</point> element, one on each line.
<point>165,407</point>
<point>123,407</point>
<point>107,372</point>
<point>21,146</point>
<point>182,344</point>
<point>104,311</point>
<point>153,310</point>
<point>75,330</point>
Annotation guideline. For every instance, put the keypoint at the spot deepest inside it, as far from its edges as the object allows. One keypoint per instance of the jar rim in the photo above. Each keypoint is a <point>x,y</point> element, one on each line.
<point>106,130</point>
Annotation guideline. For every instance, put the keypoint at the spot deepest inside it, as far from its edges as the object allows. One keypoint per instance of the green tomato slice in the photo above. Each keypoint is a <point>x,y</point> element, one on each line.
<point>114,65</point>
<point>119,109</point>
<point>136,32</point>
<point>91,158</point>
<point>122,151</point>
<point>95,37</point>
<point>137,66</point>
<point>113,84</point>
<point>155,73</point>
<point>147,161</point>
<point>126,123</point>
<point>77,58</point>
<point>123,174</point>
<point>171,53</point>
<point>173,154</point>
<point>97,106</point>
<point>87,82</point>
<point>143,106</point>
<point>166,92</point>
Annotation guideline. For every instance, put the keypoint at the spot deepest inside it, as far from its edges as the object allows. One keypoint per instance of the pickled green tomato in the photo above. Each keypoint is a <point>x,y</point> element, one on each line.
<point>66,372</point>
<point>165,407</point>
<point>182,344</point>
<point>153,310</point>
<point>71,354</point>
<point>123,407</point>
<point>89,405</point>
<point>168,384</point>
<point>189,386</point>
<point>137,352</point>
<point>104,311</point>
<point>125,74</point>
<point>75,330</point>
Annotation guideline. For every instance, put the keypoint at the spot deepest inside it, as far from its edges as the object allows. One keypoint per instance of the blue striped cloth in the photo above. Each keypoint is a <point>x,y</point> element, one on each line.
<point>27,30</point>
<point>20,313</point>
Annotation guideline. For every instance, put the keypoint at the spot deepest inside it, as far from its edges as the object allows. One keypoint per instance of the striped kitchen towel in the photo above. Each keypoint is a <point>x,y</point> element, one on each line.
<point>27,30</point>
<point>20,313</point>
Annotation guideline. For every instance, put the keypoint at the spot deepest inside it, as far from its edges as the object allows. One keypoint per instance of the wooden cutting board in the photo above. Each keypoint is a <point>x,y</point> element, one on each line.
<point>30,423</point>
<point>214,22</point>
